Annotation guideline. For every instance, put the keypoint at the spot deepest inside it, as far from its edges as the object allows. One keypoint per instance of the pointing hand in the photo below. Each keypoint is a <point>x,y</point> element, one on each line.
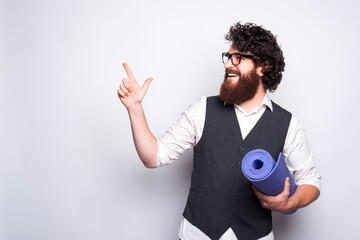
<point>130,92</point>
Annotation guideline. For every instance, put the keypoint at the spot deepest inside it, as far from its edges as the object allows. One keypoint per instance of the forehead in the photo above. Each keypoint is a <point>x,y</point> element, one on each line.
<point>234,50</point>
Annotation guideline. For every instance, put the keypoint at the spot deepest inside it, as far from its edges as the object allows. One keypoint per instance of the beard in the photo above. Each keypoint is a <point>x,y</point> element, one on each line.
<point>245,88</point>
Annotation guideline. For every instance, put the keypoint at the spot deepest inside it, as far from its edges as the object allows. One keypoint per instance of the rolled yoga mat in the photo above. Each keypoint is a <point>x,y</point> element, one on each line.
<point>267,175</point>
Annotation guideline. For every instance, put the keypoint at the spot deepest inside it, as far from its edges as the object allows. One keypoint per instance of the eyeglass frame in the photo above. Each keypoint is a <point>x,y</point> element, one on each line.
<point>230,56</point>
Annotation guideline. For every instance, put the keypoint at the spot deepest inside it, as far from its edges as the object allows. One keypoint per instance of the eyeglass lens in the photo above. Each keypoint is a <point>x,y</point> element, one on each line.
<point>235,59</point>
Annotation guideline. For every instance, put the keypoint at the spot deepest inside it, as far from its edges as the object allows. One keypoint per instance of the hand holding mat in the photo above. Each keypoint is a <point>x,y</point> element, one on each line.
<point>267,175</point>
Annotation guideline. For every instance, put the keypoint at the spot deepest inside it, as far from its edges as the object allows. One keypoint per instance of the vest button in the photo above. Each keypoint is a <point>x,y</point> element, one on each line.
<point>242,148</point>
<point>231,222</point>
<point>235,193</point>
<point>233,208</point>
<point>237,178</point>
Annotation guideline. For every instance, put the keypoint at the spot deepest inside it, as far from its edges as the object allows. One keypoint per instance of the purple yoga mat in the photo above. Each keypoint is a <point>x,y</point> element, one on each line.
<point>267,175</point>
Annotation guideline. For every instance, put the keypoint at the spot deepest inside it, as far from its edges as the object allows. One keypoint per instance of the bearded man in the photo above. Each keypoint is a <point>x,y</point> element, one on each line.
<point>222,203</point>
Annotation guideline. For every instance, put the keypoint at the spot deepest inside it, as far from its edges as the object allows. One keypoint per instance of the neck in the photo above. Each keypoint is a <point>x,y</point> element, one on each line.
<point>255,102</point>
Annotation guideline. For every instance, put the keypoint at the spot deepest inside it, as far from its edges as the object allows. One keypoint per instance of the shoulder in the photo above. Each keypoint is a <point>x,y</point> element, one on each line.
<point>199,104</point>
<point>214,102</point>
<point>213,99</point>
<point>196,110</point>
<point>277,108</point>
<point>281,117</point>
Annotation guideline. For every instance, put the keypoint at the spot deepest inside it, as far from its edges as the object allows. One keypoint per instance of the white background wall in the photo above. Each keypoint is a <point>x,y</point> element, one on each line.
<point>68,167</point>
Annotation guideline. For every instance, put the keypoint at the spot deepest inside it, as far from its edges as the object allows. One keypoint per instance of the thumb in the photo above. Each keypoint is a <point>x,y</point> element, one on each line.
<point>287,187</point>
<point>146,84</point>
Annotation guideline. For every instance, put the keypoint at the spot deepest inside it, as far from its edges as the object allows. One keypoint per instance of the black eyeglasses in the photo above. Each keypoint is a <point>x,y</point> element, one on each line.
<point>235,57</point>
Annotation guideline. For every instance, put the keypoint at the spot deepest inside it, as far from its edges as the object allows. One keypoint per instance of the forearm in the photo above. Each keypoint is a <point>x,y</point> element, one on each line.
<point>303,196</point>
<point>144,140</point>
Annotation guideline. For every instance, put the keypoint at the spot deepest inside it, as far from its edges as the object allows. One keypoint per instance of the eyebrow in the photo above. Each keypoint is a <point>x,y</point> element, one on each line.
<point>241,54</point>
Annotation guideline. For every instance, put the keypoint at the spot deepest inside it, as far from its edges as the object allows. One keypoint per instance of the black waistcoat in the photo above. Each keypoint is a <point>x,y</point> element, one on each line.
<point>220,196</point>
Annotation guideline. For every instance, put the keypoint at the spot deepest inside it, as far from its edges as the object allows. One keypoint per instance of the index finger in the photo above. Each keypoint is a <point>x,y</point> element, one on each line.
<point>129,72</point>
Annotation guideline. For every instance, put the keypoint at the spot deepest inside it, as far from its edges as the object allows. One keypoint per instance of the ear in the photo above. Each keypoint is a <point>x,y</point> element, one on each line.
<point>259,71</point>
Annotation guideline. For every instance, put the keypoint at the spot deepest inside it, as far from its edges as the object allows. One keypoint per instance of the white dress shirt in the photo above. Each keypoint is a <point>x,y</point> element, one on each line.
<point>187,131</point>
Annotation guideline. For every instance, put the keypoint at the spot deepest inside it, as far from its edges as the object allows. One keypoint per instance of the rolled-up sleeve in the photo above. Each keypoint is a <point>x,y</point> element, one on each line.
<point>183,134</point>
<point>299,157</point>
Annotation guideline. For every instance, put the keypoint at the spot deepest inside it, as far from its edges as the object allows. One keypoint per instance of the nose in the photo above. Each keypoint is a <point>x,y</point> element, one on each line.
<point>228,64</point>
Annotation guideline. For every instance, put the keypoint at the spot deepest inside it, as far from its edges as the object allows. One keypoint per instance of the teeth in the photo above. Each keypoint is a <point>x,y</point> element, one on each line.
<point>232,75</point>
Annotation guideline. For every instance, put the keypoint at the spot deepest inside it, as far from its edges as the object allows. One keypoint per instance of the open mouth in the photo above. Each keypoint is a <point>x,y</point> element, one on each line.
<point>232,75</point>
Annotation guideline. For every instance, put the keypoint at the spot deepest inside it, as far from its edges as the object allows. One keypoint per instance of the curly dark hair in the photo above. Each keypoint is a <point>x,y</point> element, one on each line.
<point>250,38</point>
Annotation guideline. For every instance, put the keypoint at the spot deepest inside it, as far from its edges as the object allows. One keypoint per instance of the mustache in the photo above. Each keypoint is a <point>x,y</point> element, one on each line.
<point>231,71</point>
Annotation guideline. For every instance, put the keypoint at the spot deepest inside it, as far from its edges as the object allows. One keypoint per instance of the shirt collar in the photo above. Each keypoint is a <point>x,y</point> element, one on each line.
<point>266,102</point>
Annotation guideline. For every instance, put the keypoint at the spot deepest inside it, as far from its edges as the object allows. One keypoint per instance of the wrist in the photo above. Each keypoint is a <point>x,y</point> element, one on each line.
<point>134,108</point>
<point>293,203</point>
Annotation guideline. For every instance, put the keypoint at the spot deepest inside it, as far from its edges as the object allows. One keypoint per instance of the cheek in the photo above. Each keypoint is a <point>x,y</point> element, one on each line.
<point>246,67</point>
